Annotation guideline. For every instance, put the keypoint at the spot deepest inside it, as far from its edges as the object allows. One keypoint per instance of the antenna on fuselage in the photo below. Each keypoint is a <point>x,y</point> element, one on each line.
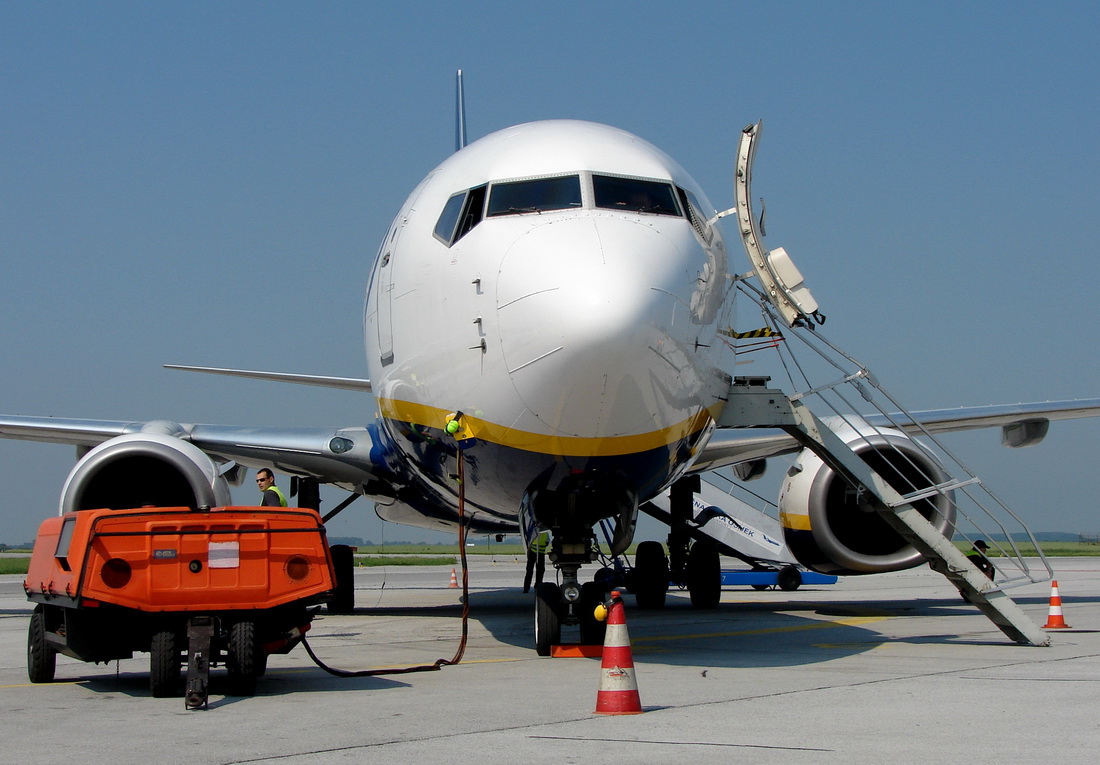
<point>460,113</point>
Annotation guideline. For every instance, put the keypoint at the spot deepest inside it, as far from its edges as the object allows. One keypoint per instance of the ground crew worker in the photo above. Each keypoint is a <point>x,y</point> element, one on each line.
<point>977,557</point>
<point>273,495</point>
<point>536,560</point>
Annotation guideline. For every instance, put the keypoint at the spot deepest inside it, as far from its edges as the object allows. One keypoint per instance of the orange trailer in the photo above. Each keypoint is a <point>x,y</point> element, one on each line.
<point>112,582</point>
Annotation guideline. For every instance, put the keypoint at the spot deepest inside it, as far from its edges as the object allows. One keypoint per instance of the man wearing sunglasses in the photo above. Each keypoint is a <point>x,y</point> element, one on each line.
<point>273,496</point>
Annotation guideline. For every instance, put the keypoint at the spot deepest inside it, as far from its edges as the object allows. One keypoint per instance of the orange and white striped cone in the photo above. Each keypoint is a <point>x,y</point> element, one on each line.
<point>618,691</point>
<point>1055,621</point>
<point>454,579</point>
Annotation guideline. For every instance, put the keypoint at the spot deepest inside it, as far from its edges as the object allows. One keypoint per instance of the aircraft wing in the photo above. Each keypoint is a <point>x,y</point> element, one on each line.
<point>60,430</point>
<point>345,456</point>
<point>1021,425</point>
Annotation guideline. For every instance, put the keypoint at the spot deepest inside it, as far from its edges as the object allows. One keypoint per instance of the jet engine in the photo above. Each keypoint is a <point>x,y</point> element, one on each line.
<point>829,525</point>
<point>154,467</point>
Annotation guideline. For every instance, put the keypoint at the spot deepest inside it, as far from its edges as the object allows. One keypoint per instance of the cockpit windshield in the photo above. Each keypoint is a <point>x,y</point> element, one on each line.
<point>466,209</point>
<point>614,193</point>
<point>534,196</point>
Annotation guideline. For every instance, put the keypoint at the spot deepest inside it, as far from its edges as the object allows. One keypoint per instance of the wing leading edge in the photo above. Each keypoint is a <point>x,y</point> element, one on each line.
<point>354,458</point>
<point>348,457</point>
<point>1021,425</point>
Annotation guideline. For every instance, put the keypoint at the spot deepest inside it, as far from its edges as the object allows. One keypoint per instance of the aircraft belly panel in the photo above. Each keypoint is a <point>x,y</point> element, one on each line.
<point>498,475</point>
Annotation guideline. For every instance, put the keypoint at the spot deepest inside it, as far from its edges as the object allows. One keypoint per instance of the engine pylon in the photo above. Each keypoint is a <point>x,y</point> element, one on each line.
<point>618,690</point>
<point>1055,620</point>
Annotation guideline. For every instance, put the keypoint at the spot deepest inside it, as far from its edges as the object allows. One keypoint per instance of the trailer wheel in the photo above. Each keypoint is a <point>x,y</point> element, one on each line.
<point>41,657</point>
<point>244,659</point>
<point>789,578</point>
<point>343,590</point>
<point>164,665</point>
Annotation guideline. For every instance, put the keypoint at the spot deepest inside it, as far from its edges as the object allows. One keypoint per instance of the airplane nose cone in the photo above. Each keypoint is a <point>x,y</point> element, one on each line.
<point>584,306</point>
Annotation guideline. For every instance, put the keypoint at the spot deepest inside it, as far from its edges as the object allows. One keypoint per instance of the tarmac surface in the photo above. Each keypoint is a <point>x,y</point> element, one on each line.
<point>893,668</point>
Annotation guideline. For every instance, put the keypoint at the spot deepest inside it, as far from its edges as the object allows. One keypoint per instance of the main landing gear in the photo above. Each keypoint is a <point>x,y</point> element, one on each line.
<point>693,564</point>
<point>700,573</point>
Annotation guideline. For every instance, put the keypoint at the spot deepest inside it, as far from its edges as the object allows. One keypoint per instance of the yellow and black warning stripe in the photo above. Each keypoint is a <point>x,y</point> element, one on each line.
<point>751,334</point>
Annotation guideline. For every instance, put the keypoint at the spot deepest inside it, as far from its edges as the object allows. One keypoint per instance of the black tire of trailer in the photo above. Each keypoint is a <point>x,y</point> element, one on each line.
<point>244,659</point>
<point>343,590</point>
<point>41,657</point>
<point>165,663</point>
<point>789,578</point>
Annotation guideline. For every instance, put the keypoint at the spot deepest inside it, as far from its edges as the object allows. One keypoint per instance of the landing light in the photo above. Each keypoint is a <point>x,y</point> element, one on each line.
<point>571,593</point>
<point>339,445</point>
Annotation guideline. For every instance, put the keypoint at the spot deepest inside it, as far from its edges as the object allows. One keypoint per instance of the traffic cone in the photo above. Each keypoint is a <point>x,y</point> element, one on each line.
<point>618,691</point>
<point>454,579</point>
<point>1054,617</point>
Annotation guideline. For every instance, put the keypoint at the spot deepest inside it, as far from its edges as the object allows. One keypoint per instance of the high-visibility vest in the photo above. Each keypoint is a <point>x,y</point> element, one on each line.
<point>279,492</point>
<point>541,543</point>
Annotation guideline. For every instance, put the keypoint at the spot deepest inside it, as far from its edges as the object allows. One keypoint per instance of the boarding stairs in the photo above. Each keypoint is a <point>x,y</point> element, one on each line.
<point>766,407</point>
<point>739,529</point>
<point>790,313</point>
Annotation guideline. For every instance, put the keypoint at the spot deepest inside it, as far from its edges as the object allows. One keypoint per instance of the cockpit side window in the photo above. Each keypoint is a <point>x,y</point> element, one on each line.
<point>462,212</point>
<point>471,212</point>
<point>615,193</point>
<point>448,219</point>
<point>535,196</point>
<point>695,213</point>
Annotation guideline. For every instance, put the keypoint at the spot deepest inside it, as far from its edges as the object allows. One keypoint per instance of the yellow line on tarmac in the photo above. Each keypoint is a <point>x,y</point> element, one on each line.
<point>854,621</point>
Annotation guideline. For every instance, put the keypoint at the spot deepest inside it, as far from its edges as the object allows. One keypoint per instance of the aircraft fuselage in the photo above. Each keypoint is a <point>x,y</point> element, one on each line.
<point>559,284</point>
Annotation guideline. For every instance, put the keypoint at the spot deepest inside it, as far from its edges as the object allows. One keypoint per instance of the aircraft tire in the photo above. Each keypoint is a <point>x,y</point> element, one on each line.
<point>41,657</point>
<point>593,630</point>
<point>164,665</point>
<point>704,575</point>
<point>607,578</point>
<point>547,617</point>
<point>244,659</point>
<point>789,578</point>
<point>650,581</point>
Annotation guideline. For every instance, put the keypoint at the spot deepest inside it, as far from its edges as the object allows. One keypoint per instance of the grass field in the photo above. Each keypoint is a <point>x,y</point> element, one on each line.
<point>13,565</point>
<point>447,555</point>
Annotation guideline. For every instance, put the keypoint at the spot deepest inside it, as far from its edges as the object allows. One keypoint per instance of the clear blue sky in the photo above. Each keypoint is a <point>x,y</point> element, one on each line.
<point>206,183</point>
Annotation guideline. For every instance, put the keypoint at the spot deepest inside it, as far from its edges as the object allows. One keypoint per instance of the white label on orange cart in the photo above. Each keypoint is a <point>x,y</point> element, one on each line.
<point>225,555</point>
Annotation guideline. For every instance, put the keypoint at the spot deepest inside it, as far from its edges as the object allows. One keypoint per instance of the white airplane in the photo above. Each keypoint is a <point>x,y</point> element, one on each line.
<point>543,320</point>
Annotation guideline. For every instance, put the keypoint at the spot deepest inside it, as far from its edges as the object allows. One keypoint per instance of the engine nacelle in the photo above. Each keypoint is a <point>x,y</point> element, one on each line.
<point>827,526</point>
<point>139,469</point>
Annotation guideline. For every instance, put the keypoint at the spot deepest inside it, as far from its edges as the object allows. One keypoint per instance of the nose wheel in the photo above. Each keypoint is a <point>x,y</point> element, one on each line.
<point>548,608</point>
<point>552,610</point>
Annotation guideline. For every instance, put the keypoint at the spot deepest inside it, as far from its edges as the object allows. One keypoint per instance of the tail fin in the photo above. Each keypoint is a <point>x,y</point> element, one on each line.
<point>460,113</point>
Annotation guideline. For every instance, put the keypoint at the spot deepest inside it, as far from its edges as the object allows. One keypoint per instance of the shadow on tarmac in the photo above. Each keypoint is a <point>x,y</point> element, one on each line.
<point>275,683</point>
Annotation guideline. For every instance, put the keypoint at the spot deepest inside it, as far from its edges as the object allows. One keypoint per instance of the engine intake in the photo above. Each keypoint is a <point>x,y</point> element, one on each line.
<point>829,528</point>
<point>142,469</point>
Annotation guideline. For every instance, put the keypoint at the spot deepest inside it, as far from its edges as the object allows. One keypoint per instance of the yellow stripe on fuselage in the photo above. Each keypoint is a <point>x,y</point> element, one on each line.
<point>543,443</point>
